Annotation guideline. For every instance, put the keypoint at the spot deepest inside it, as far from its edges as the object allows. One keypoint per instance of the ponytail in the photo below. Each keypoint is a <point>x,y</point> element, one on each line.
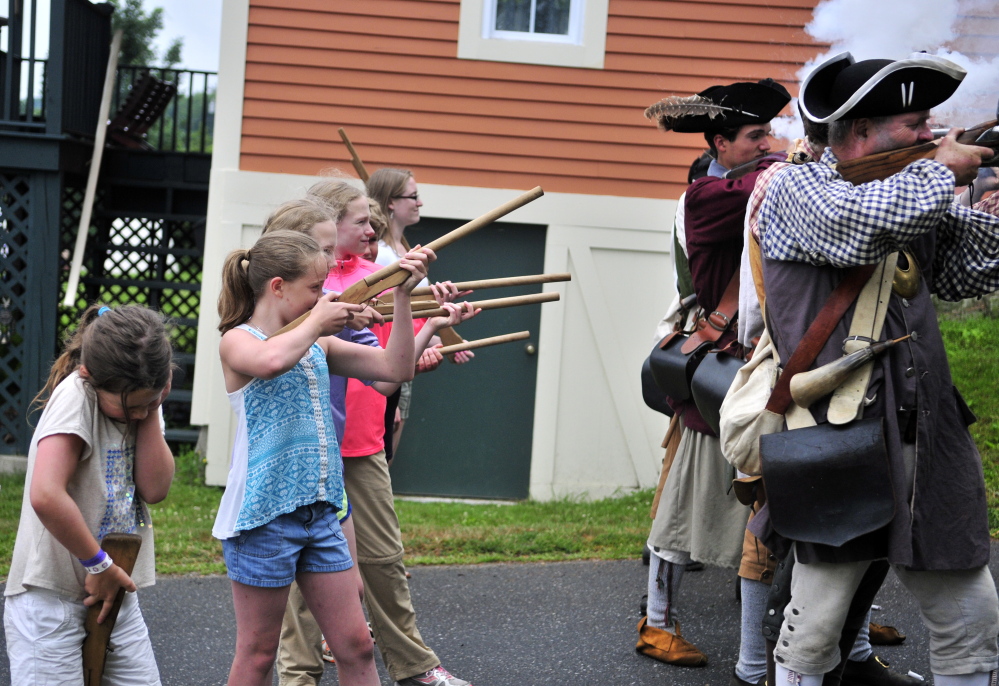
<point>236,299</point>
<point>246,273</point>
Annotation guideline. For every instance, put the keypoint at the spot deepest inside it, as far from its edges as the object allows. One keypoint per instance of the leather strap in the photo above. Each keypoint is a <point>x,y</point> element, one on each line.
<point>715,324</point>
<point>818,333</point>
<point>847,400</point>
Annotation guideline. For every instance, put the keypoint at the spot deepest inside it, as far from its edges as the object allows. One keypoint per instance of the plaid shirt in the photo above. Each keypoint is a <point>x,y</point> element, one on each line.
<point>811,214</point>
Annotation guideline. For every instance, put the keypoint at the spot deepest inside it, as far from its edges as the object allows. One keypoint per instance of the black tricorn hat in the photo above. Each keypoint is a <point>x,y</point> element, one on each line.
<point>842,88</point>
<point>736,104</point>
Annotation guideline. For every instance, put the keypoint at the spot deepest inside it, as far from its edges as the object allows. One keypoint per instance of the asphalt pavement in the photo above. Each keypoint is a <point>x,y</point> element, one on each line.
<point>552,624</point>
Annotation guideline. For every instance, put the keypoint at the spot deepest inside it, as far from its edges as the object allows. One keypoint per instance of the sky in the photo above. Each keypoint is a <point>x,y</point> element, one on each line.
<point>198,22</point>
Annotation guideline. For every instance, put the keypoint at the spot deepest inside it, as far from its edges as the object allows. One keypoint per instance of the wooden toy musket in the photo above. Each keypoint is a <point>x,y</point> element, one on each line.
<point>529,280</point>
<point>123,549</point>
<point>483,342</point>
<point>355,159</point>
<point>393,275</point>
<point>495,304</point>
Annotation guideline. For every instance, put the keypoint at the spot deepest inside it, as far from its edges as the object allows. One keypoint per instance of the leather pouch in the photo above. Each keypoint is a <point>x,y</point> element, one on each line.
<point>672,368</point>
<point>832,483</point>
<point>710,383</point>
<point>651,393</point>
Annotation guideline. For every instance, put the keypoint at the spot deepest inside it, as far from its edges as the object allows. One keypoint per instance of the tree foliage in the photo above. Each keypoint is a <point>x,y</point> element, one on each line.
<point>139,30</point>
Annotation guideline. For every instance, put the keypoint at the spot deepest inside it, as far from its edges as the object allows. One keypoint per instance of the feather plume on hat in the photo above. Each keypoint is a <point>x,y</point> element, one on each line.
<point>669,111</point>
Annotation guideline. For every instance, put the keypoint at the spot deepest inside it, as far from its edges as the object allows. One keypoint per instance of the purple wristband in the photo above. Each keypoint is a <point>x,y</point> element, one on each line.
<point>95,560</point>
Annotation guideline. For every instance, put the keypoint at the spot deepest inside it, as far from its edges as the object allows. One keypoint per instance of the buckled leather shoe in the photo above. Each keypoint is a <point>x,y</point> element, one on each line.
<point>874,671</point>
<point>671,648</point>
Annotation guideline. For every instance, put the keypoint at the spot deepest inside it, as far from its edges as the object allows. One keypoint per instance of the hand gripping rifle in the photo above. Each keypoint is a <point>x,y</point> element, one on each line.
<point>394,274</point>
<point>123,549</point>
<point>881,165</point>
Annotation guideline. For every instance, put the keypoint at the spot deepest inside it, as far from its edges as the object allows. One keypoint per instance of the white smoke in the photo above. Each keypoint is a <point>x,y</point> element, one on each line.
<point>894,29</point>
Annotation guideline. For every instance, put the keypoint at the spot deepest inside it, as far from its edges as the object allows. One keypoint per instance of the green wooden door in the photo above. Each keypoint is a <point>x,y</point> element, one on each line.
<point>470,426</point>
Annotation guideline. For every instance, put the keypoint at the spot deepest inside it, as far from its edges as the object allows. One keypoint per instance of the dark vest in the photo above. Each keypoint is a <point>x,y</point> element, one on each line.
<point>946,527</point>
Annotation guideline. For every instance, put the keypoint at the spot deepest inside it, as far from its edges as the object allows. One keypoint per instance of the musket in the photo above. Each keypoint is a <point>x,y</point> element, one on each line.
<point>502,282</point>
<point>355,159</point>
<point>123,549</point>
<point>393,275</point>
<point>495,304</point>
<point>483,342</point>
<point>881,165</point>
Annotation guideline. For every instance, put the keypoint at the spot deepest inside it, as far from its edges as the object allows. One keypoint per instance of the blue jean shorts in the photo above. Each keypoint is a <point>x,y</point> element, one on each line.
<point>271,555</point>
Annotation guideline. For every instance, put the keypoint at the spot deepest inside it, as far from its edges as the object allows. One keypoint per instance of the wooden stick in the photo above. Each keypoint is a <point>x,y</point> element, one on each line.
<point>355,159</point>
<point>503,282</point>
<point>393,275</point>
<point>95,169</point>
<point>483,342</point>
<point>495,304</point>
<point>123,549</point>
<point>386,273</point>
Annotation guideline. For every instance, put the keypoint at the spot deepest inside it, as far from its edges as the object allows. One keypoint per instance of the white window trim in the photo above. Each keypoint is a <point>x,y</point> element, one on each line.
<point>477,40</point>
<point>573,37</point>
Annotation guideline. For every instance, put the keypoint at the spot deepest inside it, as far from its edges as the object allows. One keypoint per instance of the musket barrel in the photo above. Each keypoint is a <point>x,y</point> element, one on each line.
<point>495,304</point>
<point>463,230</point>
<point>483,342</point>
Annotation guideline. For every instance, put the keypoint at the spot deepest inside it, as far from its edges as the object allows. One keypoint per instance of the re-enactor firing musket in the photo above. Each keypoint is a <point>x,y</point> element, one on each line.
<point>393,275</point>
<point>881,165</point>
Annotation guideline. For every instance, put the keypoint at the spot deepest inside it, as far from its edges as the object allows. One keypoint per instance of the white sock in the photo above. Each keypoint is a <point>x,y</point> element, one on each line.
<point>664,586</point>
<point>786,676</point>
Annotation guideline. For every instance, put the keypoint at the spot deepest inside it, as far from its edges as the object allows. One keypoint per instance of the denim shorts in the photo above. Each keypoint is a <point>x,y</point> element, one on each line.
<point>306,540</point>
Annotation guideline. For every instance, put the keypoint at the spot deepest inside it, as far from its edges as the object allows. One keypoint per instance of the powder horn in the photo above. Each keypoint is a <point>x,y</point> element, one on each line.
<point>807,387</point>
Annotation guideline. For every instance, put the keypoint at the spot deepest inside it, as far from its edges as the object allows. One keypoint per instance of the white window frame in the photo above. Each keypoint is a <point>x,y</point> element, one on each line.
<point>573,37</point>
<point>583,47</point>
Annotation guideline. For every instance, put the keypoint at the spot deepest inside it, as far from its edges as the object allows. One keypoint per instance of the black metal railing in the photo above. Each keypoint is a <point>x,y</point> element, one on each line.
<point>188,120</point>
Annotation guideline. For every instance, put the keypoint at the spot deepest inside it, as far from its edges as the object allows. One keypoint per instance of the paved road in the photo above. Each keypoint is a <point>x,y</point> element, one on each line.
<point>568,623</point>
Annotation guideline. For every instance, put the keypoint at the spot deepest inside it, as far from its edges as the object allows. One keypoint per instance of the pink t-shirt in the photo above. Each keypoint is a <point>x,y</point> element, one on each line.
<point>364,433</point>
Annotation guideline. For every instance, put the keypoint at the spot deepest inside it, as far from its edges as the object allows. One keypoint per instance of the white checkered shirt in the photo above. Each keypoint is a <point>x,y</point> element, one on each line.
<point>811,214</point>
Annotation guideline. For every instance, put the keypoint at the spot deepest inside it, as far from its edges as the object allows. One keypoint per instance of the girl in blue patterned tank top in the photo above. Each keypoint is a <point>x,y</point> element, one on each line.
<point>278,516</point>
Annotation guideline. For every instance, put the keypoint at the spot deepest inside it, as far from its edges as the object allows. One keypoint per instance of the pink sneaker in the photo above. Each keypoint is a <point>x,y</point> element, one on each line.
<point>438,676</point>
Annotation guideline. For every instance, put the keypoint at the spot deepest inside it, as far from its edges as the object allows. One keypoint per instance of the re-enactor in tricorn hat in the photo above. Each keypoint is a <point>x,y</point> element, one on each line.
<point>699,518</point>
<point>815,227</point>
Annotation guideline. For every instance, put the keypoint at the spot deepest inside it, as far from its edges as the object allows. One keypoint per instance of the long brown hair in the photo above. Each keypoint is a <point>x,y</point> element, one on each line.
<point>245,274</point>
<point>124,349</point>
<point>386,184</point>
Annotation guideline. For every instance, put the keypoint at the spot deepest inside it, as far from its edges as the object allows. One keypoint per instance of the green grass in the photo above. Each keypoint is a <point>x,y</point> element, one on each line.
<point>568,529</point>
<point>973,351</point>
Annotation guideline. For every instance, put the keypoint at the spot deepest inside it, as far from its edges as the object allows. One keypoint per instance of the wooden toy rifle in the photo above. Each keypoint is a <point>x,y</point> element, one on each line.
<point>123,549</point>
<point>393,275</point>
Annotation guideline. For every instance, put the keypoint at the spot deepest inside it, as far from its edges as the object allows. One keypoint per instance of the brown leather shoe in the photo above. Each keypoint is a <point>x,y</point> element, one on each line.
<point>668,647</point>
<point>885,635</point>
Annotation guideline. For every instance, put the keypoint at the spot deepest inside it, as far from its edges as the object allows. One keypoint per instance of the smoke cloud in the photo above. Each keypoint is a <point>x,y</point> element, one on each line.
<point>894,29</point>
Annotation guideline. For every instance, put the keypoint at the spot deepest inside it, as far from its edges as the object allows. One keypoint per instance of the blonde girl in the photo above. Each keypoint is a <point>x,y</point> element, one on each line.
<point>278,516</point>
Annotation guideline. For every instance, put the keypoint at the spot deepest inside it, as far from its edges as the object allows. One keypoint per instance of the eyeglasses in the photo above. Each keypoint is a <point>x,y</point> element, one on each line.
<point>415,197</point>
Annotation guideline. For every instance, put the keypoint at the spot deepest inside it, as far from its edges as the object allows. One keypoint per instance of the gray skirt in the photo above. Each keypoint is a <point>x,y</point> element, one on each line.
<point>698,512</point>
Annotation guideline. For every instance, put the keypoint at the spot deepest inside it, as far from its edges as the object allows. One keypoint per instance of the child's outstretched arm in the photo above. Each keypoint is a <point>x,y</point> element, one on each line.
<point>397,361</point>
<point>245,356</point>
<point>57,458</point>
